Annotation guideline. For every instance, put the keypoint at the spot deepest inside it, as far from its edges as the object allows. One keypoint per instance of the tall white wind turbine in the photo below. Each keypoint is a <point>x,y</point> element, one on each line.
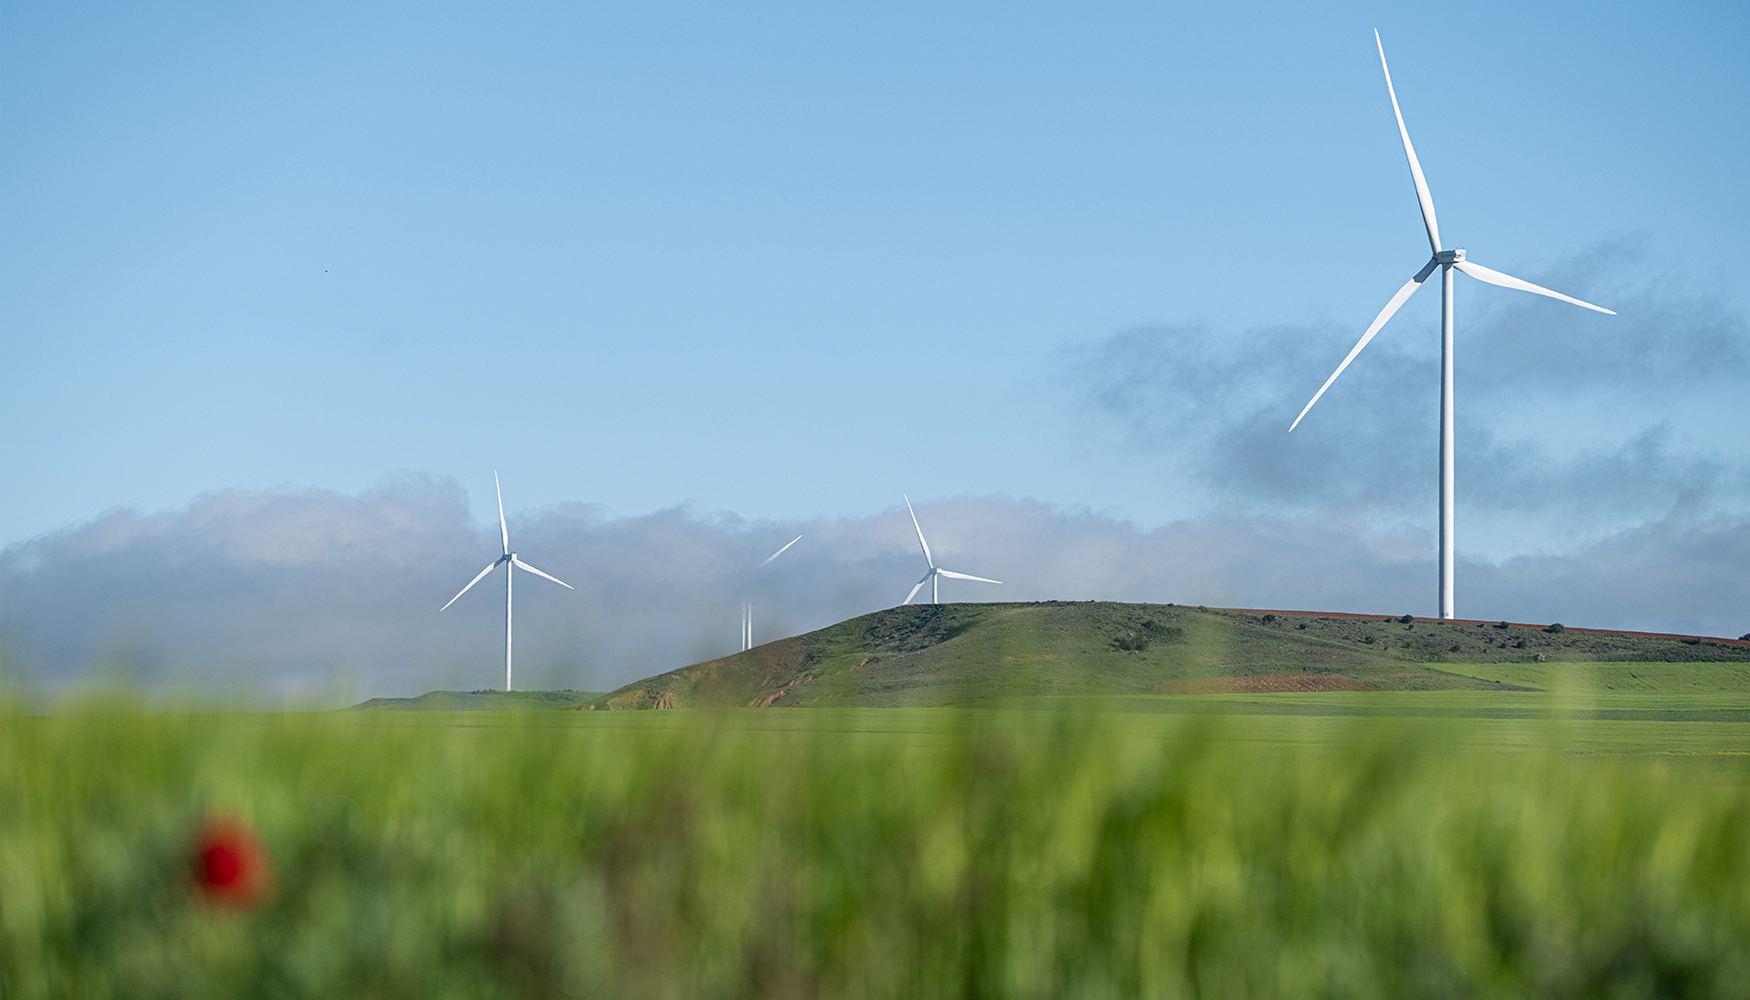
<point>747,605</point>
<point>1447,261</point>
<point>511,564</point>
<point>933,577</point>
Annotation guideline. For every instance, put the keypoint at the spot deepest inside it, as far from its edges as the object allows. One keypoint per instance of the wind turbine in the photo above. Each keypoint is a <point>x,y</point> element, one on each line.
<point>1447,261</point>
<point>747,605</point>
<point>511,564</point>
<point>933,577</point>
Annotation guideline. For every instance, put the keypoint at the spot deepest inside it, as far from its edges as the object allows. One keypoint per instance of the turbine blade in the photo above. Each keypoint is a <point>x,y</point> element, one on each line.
<point>914,590</point>
<point>482,575</point>
<point>1402,296</point>
<point>1495,277</point>
<point>519,564</point>
<point>914,523</point>
<point>780,552</point>
<point>963,576</point>
<point>503,532</point>
<point>1422,194</point>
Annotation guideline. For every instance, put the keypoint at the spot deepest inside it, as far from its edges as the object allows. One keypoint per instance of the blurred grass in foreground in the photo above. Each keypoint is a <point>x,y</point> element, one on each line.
<point>985,854</point>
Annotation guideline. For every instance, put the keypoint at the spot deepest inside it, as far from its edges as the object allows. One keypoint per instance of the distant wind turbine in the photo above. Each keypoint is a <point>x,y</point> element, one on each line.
<point>747,605</point>
<point>1447,261</point>
<point>933,577</point>
<point>511,563</point>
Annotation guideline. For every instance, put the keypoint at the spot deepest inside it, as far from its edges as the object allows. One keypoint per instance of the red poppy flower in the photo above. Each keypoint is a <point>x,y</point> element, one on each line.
<point>230,866</point>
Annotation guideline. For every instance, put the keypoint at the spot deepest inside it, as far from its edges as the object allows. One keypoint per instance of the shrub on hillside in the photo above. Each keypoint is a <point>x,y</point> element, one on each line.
<point>1147,632</point>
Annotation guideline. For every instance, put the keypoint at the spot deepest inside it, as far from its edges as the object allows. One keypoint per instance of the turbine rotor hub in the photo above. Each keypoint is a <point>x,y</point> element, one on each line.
<point>1449,257</point>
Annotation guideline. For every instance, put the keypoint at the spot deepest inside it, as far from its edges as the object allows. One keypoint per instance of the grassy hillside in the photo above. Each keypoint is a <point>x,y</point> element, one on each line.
<point>479,701</point>
<point>1649,678</point>
<point>947,654</point>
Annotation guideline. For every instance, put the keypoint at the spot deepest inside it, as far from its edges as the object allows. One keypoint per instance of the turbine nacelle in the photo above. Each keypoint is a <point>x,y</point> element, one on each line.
<point>1449,257</point>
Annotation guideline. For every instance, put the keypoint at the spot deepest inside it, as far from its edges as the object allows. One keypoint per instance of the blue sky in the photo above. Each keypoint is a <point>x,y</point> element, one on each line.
<point>793,260</point>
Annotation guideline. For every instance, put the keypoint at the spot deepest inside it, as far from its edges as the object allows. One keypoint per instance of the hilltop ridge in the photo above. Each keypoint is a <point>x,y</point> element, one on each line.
<point>920,655</point>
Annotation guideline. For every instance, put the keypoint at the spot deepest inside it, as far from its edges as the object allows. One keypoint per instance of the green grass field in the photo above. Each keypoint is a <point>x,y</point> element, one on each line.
<point>1636,678</point>
<point>1579,842</point>
<point>982,800</point>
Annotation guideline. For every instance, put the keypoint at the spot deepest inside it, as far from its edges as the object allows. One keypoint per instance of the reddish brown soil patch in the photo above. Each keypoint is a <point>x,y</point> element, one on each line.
<point>1261,684</point>
<point>1473,621</point>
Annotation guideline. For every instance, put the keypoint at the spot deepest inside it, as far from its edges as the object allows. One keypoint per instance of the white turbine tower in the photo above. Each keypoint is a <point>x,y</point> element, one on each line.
<point>747,605</point>
<point>511,564</point>
<point>1447,261</point>
<point>933,577</point>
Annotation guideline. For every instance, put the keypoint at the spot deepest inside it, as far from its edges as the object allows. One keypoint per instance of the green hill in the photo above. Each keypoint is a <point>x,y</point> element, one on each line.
<point>478,701</point>
<point>970,653</point>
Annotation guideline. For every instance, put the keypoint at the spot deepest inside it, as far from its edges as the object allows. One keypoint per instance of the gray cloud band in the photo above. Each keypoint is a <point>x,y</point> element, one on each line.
<point>303,591</point>
<point>1576,426</point>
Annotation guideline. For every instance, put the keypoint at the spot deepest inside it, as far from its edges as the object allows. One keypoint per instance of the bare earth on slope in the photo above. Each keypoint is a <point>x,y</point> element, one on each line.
<point>1262,684</point>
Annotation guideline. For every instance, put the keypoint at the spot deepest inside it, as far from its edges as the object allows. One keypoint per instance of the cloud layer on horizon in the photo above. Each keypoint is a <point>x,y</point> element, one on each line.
<point>307,590</point>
